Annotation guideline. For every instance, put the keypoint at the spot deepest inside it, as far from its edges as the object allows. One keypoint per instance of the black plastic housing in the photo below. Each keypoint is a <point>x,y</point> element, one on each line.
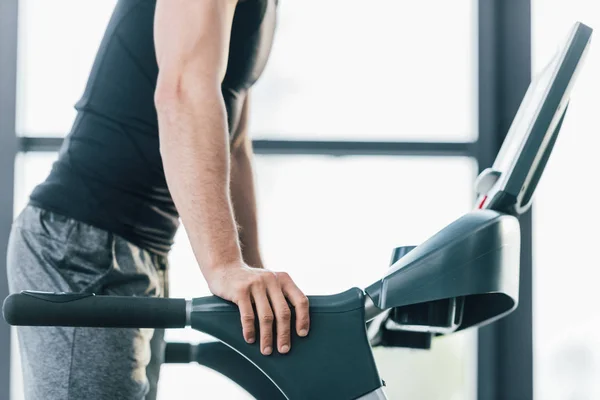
<point>473,262</point>
<point>32,308</point>
<point>333,362</point>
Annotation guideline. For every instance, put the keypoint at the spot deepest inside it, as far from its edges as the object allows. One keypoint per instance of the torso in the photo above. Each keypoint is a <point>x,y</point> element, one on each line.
<point>109,172</point>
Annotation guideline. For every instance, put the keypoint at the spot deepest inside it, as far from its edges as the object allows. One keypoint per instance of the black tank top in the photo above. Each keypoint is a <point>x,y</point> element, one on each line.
<point>109,173</point>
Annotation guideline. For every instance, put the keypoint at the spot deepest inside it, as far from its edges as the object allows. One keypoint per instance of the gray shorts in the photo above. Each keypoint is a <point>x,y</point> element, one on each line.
<point>50,252</point>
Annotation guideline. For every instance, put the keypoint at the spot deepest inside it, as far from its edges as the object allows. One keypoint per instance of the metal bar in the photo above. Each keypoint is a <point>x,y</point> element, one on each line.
<point>505,350</point>
<point>302,147</point>
<point>39,144</point>
<point>228,362</point>
<point>353,148</point>
<point>8,151</point>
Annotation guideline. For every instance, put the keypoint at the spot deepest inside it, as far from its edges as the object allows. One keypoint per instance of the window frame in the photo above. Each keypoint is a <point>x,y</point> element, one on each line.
<point>8,151</point>
<point>505,348</point>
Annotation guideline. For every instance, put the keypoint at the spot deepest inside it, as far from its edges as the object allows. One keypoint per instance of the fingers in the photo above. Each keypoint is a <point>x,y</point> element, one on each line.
<point>298,300</point>
<point>269,293</point>
<point>265,318</point>
<point>283,316</point>
<point>247,317</point>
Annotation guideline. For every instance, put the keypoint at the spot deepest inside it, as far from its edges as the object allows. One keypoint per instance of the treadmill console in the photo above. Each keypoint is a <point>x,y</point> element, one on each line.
<point>468,273</point>
<point>508,186</point>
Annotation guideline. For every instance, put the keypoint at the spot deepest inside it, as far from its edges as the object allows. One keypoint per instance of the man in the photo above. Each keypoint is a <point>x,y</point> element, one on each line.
<point>161,133</point>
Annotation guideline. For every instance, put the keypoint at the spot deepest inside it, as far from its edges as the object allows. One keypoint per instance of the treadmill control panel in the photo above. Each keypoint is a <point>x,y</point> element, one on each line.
<point>509,184</point>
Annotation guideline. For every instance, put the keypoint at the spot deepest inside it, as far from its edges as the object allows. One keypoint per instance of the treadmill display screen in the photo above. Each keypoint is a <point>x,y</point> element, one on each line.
<point>528,111</point>
<point>508,186</point>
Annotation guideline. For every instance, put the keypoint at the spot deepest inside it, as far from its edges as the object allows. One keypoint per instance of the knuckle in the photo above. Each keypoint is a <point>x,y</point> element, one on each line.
<point>284,331</point>
<point>257,281</point>
<point>266,335</point>
<point>247,318</point>
<point>283,276</point>
<point>305,318</point>
<point>303,302</point>
<point>270,274</point>
<point>241,287</point>
<point>285,313</point>
<point>267,318</point>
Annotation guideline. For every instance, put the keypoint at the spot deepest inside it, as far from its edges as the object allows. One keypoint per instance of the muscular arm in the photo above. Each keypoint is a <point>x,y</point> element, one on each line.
<point>192,42</point>
<point>192,38</point>
<point>242,192</point>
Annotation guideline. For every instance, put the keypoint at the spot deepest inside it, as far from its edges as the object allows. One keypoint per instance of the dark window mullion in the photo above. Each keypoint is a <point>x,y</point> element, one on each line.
<point>505,348</point>
<point>308,147</point>
<point>8,150</point>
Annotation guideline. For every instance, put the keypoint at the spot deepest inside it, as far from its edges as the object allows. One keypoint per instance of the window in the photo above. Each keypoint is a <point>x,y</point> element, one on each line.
<point>341,69</point>
<point>30,170</point>
<point>383,72</point>
<point>58,41</point>
<point>566,319</point>
<point>332,223</point>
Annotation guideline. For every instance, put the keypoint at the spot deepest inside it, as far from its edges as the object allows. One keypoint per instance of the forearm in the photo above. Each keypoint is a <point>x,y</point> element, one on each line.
<point>195,153</point>
<point>244,203</point>
<point>192,41</point>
